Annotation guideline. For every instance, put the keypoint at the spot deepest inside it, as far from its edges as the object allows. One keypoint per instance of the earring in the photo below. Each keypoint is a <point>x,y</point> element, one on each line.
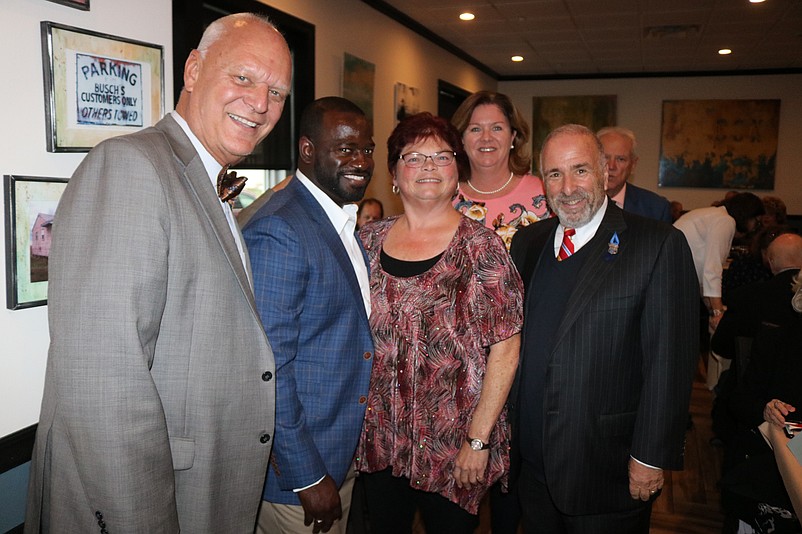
<point>395,189</point>
<point>512,146</point>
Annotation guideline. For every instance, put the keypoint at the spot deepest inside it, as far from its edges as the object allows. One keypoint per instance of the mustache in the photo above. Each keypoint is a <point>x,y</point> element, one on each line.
<point>575,196</point>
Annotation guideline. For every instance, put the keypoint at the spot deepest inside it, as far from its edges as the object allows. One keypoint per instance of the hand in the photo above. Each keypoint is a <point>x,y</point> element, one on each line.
<point>644,481</point>
<point>712,323</point>
<point>470,466</point>
<point>776,411</point>
<point>321,504</point>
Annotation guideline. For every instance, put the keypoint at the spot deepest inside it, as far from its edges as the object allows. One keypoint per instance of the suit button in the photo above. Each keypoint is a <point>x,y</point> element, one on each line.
<point>98,515</point>
<point>266,376</point>
<point>101,524</point>
<point>104,531</point>
<point>264,438</point>
<point>367,355</point>
<point>363,399</point>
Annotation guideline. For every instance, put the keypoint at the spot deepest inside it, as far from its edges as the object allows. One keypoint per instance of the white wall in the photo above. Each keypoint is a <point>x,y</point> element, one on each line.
<point>23,333</point>
<point>342,26</point>
<point>399,55</point>
<point>640,108</point>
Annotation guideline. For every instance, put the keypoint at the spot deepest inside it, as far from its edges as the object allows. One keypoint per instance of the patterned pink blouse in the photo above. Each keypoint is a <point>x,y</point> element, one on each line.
<point>432,335</point>
<point>524,205</point>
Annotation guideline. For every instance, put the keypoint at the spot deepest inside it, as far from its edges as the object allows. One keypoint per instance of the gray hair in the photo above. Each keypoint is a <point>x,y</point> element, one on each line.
<point>219,27</point>
<point>573,129</point>
<point>620,130</point>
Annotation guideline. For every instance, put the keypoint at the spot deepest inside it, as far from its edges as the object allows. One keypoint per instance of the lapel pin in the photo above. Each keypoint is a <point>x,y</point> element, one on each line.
<point>612,246</point>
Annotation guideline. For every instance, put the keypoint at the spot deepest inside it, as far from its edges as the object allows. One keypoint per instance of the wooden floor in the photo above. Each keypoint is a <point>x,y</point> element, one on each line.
<point>689,503</point>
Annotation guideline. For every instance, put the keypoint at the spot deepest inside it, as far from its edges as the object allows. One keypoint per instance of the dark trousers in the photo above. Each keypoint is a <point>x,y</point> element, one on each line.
<point>391,504</point>
<point>541,516</point>
<point>505,510</point>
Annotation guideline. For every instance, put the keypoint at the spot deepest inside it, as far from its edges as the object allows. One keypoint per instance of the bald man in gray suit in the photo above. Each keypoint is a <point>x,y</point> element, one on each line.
<point>159,397</point>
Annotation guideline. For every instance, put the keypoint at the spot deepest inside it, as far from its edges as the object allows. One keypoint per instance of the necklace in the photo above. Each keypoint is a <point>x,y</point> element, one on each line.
<point>494,191</point>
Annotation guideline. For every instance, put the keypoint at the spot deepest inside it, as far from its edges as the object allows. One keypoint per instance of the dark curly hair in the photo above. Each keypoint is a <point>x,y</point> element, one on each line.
<point>742,207</point>
<point>418,127</point>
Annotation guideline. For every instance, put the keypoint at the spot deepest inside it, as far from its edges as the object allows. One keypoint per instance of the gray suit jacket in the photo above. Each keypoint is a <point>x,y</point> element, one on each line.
<point>158,407</point>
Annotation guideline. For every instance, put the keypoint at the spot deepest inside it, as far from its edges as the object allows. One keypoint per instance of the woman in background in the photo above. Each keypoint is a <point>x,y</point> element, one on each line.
<point>446,316</point>
<point>498,191</point>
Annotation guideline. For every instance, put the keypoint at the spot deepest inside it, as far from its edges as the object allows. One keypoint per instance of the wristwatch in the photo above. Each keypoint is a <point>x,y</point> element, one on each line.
<point>716,312</point>
<point>477,444</point>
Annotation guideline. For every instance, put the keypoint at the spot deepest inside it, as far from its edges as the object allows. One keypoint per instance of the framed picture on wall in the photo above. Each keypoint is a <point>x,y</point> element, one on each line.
<point>406,101</point>
<point>549,112</point>
<point>358,81</point>
<point>98,86</point>
<point>77,4</point>
<point>727,144</point>
<point>30,207</point>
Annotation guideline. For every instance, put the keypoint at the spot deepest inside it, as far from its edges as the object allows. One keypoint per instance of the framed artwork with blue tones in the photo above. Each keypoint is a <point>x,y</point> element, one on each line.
<point>726,144</point>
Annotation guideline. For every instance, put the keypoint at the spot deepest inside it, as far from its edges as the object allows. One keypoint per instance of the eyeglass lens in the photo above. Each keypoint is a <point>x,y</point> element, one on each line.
<point>416,159</point>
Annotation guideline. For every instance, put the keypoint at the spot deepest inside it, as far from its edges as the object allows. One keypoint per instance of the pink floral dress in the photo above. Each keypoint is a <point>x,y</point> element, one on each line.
<point>524,205</point>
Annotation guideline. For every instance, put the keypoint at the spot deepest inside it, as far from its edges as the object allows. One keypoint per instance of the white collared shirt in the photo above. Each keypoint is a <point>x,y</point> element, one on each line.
<point>343,219</point>
<point>213,169</point>
<point>620,197</point>
<point>583,234</point>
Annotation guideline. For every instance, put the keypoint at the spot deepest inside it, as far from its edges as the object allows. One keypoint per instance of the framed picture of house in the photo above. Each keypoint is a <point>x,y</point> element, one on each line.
<point>98,86</point>
<point>30,204</point>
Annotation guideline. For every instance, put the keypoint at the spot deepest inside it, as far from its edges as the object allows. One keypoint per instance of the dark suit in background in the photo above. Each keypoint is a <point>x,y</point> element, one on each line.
<point>647,204</point>
<point>608,352</point>
<point>750,307</point>
<point>620,146</point>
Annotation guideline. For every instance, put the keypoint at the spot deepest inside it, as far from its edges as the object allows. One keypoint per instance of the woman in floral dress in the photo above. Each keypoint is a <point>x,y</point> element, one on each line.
<point>498,190</point>
<point>446,316</point>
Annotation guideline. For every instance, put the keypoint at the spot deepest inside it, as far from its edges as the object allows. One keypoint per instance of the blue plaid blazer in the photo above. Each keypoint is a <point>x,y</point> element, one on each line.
<point>308,297</point>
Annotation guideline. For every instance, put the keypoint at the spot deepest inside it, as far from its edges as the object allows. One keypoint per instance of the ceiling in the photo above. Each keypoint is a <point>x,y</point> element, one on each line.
<point>603,38</point>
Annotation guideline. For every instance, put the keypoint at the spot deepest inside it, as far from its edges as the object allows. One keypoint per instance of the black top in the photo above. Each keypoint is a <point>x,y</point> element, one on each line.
<point>406,269</point>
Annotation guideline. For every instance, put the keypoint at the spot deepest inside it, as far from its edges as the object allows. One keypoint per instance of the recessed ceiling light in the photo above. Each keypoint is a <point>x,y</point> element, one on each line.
<point>467,16</point>
<point>725,51</point>
<point>517,59</point>
<point>757,1</point>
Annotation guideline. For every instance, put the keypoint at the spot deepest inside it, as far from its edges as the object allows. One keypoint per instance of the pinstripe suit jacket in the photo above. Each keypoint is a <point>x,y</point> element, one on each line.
<point>619,376</point>
<point>308,296</point>
<point>159,376</point>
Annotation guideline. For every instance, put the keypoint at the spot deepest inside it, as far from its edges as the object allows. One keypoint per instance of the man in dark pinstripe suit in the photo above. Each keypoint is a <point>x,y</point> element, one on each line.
<point>608,351</point>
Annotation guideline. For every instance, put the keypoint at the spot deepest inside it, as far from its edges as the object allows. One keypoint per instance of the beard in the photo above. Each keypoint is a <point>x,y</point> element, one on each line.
<point>572,219</point>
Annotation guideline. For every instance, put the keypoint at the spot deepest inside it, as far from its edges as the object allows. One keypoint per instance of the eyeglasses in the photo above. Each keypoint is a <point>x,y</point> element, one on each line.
<point>416,159</point>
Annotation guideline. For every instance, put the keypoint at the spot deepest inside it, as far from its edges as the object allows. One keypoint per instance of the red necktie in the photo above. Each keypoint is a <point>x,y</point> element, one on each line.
<point>567,247</point>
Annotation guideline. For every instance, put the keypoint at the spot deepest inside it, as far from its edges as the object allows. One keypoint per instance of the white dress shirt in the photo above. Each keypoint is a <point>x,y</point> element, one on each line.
<point>709,232</point>
<point>583,234</point>
<point>343,219</point>
<point>213,169</point>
